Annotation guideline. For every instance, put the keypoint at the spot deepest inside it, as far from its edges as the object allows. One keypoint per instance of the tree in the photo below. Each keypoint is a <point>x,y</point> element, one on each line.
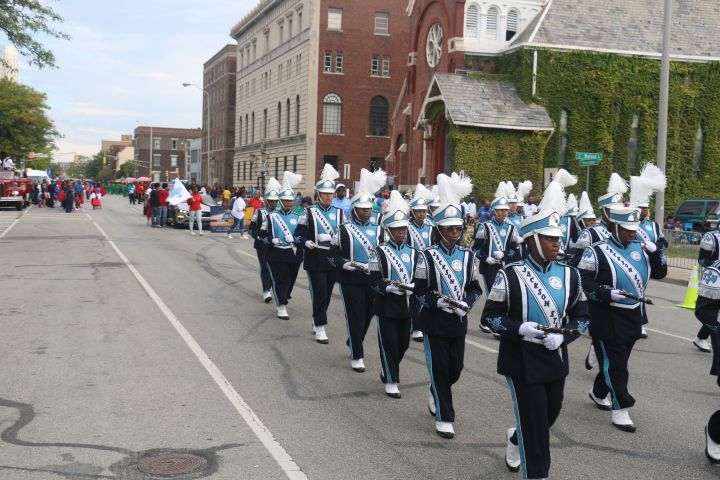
<point>21,20</point>
<point>126,170</point>
<point>24,124</point>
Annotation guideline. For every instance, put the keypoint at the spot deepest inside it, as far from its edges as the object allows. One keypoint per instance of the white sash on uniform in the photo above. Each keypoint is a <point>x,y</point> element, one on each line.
<point>495,238</point>
<point>277,219</point>
<point>358,234</point>
<point>618,261</point>
<point>542,296</point>
<point>416,237</point>
<point>447,274</point>
<point>321,221</point>
<point>397,265</point>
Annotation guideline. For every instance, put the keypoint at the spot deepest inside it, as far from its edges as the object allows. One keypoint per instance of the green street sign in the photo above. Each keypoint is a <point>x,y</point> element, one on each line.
<point>588,159</point>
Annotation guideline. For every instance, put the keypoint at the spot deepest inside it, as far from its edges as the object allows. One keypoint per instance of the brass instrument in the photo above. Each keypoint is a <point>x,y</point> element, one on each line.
<point>451,301</point>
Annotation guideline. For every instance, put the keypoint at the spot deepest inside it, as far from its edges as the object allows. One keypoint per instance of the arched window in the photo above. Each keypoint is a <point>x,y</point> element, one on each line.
<point>297,114</point>
<point>471,21</point>
<point>287,118</point>
<point>512,25</point>
<point>378,116</point>
<point>562,151</point>
<point>240,134</point>
<point>492,22</point>
<point>332,113</point>
<point>252,127</point>
<point>633,144</point>
<point>279,120</point>
<point>699,139</point>
<point>247,125</point>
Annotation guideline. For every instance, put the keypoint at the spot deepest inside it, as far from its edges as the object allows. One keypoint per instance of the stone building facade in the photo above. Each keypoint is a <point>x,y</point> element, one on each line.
<point>160,152</point>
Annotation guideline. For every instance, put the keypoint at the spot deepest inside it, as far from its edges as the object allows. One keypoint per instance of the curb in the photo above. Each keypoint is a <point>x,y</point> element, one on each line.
<point>675,281</point>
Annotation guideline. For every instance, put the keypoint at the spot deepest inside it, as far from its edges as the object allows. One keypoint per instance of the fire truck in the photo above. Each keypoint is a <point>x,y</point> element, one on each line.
<point>14,190</point>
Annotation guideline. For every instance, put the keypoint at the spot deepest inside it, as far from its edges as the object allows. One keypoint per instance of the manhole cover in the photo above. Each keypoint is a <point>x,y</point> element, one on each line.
<point>172,464</point>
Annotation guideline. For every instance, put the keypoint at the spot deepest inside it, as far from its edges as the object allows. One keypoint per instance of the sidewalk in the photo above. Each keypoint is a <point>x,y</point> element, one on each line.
<point>678,276</point>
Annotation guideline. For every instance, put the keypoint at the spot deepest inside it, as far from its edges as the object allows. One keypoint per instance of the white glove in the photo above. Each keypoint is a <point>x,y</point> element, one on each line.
<point>553,341</point>
<point>310,244</point>
<point>460,311</point>
<point>491,261</point>
<point>289,238</point>
<point>530,330</point>
<point>445,306</point>
<point>650,247</point>
<point>498,254</point>
<point>349,267</point>
<point>323,237</point>
<point>276,241</point>
<point>615,296</point>
<point>394,290</point>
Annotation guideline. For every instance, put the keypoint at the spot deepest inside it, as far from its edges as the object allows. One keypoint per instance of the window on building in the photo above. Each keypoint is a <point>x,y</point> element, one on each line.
<point>492,22</point>
<point>294,163</point>
<point>334,19</point>
<point>277,167</point>
<point>173,161</point>
<point>346,170</point>
<point>265,124</point>
<point>699,140</point>
<point>471,21</point>
<point>512,25</point>
<point>332,160</point>
<point>280,74</point>
<point>279,119</point>
<point>289,69</point>
<point>327,64</point>
<point>375,65</point>
<point>156,161</point>
<point>285,164</point>
<point>385,72</point>
<point>300,24</point>
<point>174,144</point>
<point>297,66</point>
<point>242,59</point>
<point>332,114</point>
<point>244,171</point>
<point>382,23</point>
<point>247,138</point>
<point>252,128</point>
<point>378,116</point>
<point>156,143</point>
<point>339,62</point>
<point>287,117</point>
<point>254,51</point>
<point>240,130</point>
<point>562,151</point>
<point>633,144</point>
<point>376,162</point>
<point>290,29</point>
<point>282,33</point>
<point>267,42</point>
<point>297,114</point>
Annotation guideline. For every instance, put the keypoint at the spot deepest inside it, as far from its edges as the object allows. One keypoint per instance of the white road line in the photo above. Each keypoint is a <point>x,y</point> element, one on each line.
<point>285,461</point>
<point>481,347</point>
<point>245,253</point>
<point>5,232</point>
<point>668,334</point>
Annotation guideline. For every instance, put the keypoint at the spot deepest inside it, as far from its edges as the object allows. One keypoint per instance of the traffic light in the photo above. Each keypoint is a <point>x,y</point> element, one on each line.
<point>104,160</point>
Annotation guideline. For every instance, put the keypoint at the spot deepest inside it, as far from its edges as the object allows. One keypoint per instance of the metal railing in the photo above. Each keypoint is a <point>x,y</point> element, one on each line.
<point>683,248</point>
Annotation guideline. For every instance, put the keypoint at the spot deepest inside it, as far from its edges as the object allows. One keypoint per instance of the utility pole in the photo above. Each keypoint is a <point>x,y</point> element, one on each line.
<point>663,120</point>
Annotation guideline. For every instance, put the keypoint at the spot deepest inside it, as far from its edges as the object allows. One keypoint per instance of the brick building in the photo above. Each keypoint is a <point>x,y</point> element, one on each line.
<point>316,80</point>
<point>160,152</point>
<point>219,83</point>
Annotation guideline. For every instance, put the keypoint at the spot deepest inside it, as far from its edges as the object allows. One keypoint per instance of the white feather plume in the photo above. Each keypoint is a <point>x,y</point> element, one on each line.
<point>651,180</point>
<point>524,189</point>
<point>273,185</point>
<point>371,182</point>
<point>453,189</point>
<point>396,202</point>
<point>291,180</point>
<point>564,178</point>
<point>500,192</point>
<point>585,205</point>
<point>553,198</point>
<point>421,191</point>
<point>329,173</point>
<point>510,189</point>
<point>617,184</point>
<point>571,202</point>
<point>435,192</point>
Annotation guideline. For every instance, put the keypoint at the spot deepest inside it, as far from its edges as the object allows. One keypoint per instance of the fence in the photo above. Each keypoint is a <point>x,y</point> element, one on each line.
<point>683,248</point>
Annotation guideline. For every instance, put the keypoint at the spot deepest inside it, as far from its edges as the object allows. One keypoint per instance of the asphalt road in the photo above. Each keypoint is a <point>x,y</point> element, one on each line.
<point>121,341</point>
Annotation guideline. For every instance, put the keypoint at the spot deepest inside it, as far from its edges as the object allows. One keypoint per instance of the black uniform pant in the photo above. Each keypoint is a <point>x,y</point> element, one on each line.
<point>488,273</point>
<point>704,332</point>
<point>613,376</point>
<point>321,287</point>
<point>283,276</point>
<point>394,340</point>
<point>414,313</point>
<point>714,427</point>
<point>444,358</point>
<point>358,301</point>
<point>537,406</point>
<point>264,272</point>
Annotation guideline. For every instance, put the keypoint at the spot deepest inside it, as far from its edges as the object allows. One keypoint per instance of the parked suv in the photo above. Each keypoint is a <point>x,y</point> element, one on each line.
<point>698,212</point>
<point>178,215</point>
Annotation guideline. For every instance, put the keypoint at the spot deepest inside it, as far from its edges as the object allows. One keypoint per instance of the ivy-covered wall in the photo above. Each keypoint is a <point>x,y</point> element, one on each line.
<point>491,156</point>
<point>602,93</point>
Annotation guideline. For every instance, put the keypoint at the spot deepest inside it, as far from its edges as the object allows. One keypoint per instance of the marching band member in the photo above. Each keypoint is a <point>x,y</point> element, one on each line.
<point>279,233</point>
<point>527,296</point>
<point>569,225</point>
<point>419,232</point>
<point>614,275</point>
<point>447,287</point>
<point>709,254</point>
<point>514,216</point>
<point>261,249</point>
<point>353,247</point>
<point>496,242</point>
<point>706,310</point>
<point>317,226</point>
<point>435,203</point>
<point>651,180</point>
<point>586,216</point>
<point>523,190</point>
<point>392,271</point>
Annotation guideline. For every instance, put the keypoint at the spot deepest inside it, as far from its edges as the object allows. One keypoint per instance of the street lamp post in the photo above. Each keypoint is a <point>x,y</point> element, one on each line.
<point>664,100</point>
<point>207,110</point>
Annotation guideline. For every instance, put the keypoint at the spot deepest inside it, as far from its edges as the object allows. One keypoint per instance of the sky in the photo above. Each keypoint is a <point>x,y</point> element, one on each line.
<point>126,62</point>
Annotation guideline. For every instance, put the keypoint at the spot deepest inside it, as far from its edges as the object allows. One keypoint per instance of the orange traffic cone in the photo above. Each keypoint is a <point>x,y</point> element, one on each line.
<point>691,294</point>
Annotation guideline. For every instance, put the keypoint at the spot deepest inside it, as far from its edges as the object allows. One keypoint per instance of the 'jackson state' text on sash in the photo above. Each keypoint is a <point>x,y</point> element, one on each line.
<point>396,265</point>
<point>619,263</point>
<point>320,220</point>
<point>447,275</point>
<point>541,295</point>
<point>358,234</point>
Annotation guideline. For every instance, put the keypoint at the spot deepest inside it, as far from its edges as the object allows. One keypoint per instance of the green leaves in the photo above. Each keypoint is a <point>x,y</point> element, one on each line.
<point>22,21</point>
